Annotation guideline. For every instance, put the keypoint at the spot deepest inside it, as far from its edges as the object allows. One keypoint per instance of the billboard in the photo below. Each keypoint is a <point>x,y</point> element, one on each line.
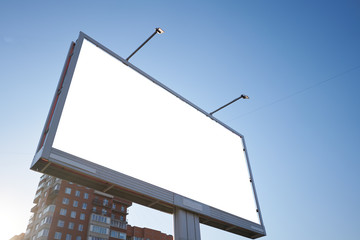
<point>116,129</point>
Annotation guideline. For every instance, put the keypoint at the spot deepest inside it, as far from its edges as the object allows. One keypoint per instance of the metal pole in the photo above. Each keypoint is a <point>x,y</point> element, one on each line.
<point>242,96</point>
<point>157,30</point>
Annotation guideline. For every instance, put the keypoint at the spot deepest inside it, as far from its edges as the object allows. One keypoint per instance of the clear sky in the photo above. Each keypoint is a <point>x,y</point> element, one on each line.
<point>299,62</point>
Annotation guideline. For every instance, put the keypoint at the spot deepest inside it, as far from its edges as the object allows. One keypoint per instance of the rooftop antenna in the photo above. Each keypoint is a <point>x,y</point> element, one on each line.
<point>157,31</point>
<point>242,96</point>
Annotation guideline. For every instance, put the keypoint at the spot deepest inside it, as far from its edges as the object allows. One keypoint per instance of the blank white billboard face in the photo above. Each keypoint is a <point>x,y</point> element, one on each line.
<point>117,118</point>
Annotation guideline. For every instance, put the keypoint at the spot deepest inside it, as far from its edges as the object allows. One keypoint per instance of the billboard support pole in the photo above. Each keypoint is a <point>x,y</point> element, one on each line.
<point>186,225</point>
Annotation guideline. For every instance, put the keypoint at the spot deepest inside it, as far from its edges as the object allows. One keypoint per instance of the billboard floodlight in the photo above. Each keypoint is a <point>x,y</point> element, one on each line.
<point>157,31</point>
<point>242,96</point>
<point>114,128</point>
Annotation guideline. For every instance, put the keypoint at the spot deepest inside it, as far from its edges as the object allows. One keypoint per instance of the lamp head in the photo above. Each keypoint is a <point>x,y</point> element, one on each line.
<point>159,31</point>
<point>244,96</point>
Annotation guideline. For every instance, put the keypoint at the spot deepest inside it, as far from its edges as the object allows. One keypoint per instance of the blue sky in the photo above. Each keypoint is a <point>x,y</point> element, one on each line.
<point>298,61</point>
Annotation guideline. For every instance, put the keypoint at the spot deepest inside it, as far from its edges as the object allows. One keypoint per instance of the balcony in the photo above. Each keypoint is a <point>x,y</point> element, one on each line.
<point>37,196</point>
<point>40,186</point>
<point>34,208</point>
<point>31,220</point>
<point>43,177</point>
<point>30,223</point>
<point>99,203</point>
<point>125,211</point>
<point>53,194</point>
<point>100,212</point>
<point>96,211</point>
<point>118,224</point>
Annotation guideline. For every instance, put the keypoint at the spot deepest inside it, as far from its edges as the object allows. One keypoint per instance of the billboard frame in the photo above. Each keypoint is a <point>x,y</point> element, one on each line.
<point>49,160</point>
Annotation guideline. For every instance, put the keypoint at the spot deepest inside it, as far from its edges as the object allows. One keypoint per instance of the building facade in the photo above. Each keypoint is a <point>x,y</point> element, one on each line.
<point>136,233</point>
<point>67,211</point>
<point>18,237</point>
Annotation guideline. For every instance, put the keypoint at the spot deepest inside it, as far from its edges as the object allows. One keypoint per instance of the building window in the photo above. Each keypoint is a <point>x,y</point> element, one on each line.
<point>105,202</point>
<point>43,232</point>
<point>122,218</point>
<point>94,209</point>
<point>78,238</point>
<point>99,229</point>
<point>71,225</point>
<point>84,206</point>
<point>57,235</point>
<point>118,235</point>
<point>57,187</point>
<point>73,214</point>
<point>96,238</point>
<point>99,218</point>
<point>113,206</point>
<point>118,224</point>
<point>122,209</point>
<point>75,203</point>
<point>65,201</point>
<point>77,193</point>
<point>103,211</point>
<point>63,211</point>
<point>68,237</point>
<point>45,220</point>
<point>86,195</point>
<point>60,223</point>
<point>82,216</point>
<point>50,208</point>
<point>68,190</point>
<point>80,227</point>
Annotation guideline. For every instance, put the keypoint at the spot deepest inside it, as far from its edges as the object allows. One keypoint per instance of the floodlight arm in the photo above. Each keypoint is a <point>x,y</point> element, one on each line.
<point>157,30</point>
<point>242,96</point>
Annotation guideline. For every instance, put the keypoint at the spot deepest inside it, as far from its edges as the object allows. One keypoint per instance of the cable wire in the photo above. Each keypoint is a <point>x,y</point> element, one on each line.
<point>297,92</point>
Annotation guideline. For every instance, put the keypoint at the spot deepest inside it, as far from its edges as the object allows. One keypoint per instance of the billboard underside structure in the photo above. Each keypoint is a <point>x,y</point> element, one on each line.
<point>114,128</point>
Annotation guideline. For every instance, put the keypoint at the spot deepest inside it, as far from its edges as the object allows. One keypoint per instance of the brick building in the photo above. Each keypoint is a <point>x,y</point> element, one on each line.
<point>136,233</point>
<point>67,211</point>
<point>18,237</point>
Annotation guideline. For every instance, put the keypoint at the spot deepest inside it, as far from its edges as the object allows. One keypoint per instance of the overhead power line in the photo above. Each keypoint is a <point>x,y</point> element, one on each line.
<point>298,92</point>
